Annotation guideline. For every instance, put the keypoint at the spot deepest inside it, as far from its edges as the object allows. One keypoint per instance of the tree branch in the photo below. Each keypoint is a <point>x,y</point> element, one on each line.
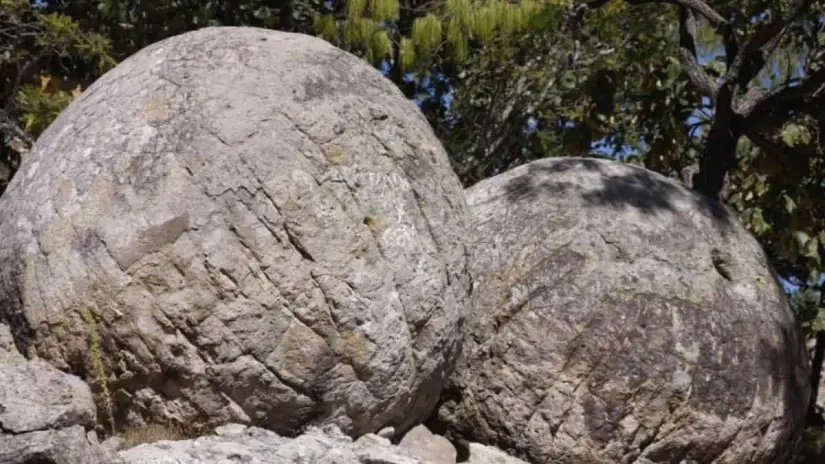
<point>699,6</point>
<point>753,55</point>
<point>687,55</point>
<point>24,72</point>
<point>719,154</point>
<point>714,18</point>
<point>764,143</point>
<point>734,113</point>
<point>758,102</point>
<point>13,132</point>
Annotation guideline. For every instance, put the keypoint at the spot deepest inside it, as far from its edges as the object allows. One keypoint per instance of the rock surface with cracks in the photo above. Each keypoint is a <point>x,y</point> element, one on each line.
<point>45,414</point>
<point>258,227</point>
<point>619,317</point>
<point>239,443</point>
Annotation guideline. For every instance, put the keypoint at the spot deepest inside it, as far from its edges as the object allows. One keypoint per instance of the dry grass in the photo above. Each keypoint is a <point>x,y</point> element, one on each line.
<point>99,365</point>
<point>151,433</point>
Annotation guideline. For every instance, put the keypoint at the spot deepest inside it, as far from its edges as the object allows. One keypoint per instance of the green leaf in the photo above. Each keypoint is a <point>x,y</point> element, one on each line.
<point>426,34</point>
<point>801,237</point>
<point>790,204</point>
<point>814,275</point>
<point>818,323</point>
<point>262,12</point>
<point>568,79</point>
<point>811,248</point>
<point>385,10</point>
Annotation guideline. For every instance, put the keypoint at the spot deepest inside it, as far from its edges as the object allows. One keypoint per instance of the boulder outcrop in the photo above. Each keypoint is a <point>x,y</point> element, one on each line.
<point>327,445</point>
<point>45,415</point>
<point>619,317</point>
<point>234,442</point>
<point>255,226</point>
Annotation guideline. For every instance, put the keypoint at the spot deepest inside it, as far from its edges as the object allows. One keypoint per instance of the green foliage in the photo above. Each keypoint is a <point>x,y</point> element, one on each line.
<point>811,447</point>
<point>779,200</point>
<point>426,34</point>
<point>39,105</point>
<point>584,95</point>
<point>432,31</point>
<point>810,309</point>
<point>39,54</point>
<point>617,87</point>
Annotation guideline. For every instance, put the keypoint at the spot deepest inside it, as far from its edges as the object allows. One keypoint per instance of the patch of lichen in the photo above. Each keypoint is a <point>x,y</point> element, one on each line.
<point>356,348</point>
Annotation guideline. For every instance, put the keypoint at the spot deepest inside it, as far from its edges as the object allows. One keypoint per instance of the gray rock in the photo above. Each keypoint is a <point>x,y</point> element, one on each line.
<point>386,432</point>
<point>44,417</point>
<point>427,446</point>
<point>619,317</point>
<point>259,227</point>
<point>36,396</point>
<point>8,351</point>
<point>113,443</point>
<point>238,443</point>
<point>483,454</point>
<point>62,446</point>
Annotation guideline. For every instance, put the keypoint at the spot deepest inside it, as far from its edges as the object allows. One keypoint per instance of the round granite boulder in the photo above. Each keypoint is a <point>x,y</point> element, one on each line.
<point>257,227</point>
<point>620,317</point>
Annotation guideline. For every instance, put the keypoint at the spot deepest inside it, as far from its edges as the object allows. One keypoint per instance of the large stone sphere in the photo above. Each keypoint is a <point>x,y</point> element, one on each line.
<point>238,224</point>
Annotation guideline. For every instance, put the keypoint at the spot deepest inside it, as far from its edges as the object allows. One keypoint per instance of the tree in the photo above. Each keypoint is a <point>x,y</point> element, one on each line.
<point>582,93</point>
<point>133,25</point>
<point>40,53</point>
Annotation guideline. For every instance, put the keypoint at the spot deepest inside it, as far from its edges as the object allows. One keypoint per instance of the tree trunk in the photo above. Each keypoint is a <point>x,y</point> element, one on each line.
<point>286,22</point>
<point>719,154</point>
<point>814,418</point>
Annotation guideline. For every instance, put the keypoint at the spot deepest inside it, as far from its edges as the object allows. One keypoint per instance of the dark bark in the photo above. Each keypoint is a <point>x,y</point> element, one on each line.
<point>816,377</point>
<point>286,22</point>
<point>697,75</point>
<point>719,154</point>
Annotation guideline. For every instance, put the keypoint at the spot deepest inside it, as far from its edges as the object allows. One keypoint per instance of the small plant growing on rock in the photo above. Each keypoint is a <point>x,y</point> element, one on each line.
<point>99,366</point>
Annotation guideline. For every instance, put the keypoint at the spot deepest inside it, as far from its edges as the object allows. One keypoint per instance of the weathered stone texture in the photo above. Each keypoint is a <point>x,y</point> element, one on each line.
<point>421,443</point>
<point>54,446</point>
<point>45,415</point>
<point>238,443</point>
<point>328,445</point>
<point>264,229</point>
<point>36,396</point>
<point>619,317</point>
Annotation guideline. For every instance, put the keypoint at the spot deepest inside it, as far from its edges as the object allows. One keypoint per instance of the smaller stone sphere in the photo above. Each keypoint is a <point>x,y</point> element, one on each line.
<point>619,317</point>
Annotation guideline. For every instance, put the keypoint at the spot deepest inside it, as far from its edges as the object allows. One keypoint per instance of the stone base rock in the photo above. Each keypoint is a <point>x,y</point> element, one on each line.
<point>45,415</point>
<point>326,445</point>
